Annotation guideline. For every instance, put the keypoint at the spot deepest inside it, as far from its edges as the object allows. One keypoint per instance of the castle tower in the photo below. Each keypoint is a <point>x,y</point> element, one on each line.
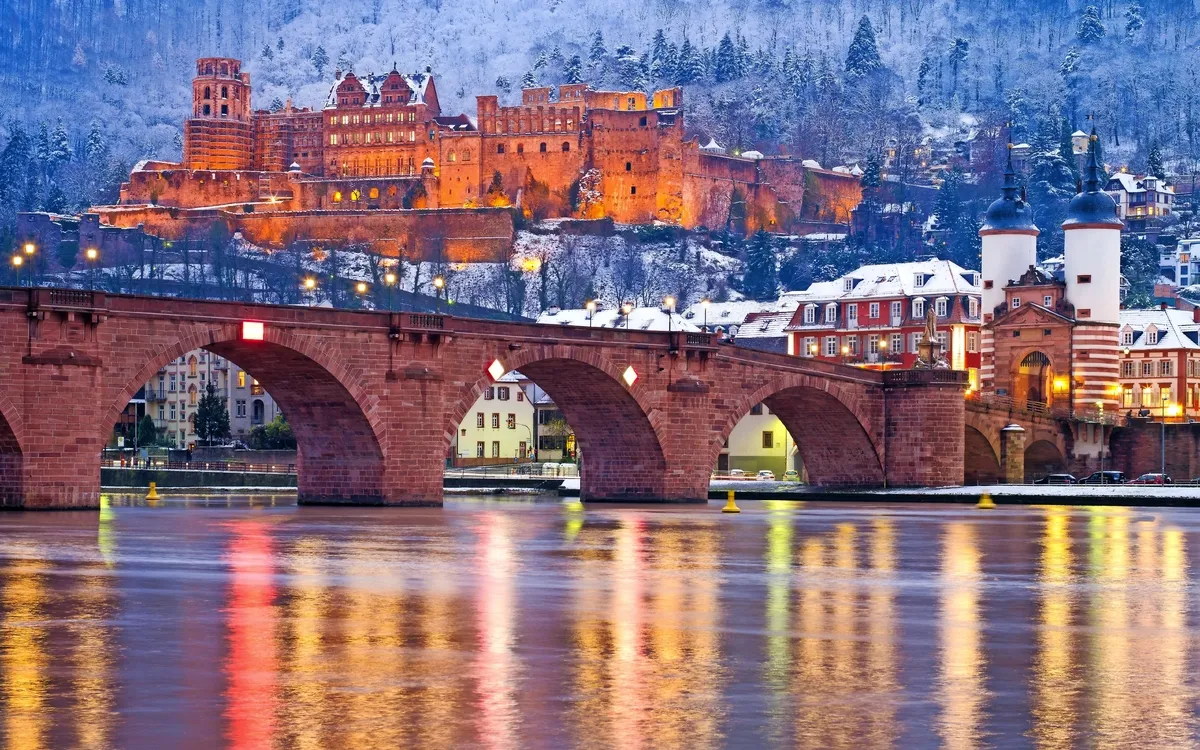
<point>219,135</point>
<point>1009,239</point>
<point>1092,249</point>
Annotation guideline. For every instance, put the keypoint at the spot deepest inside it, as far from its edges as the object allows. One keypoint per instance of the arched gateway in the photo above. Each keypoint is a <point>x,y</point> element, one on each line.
<point>374,397</point>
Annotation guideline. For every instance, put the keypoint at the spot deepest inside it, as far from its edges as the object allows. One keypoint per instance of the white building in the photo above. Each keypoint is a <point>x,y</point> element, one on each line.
<point>638,319</point>
<point>1142,200</point>
<point>173,395</point>
<point>499,428</point>
<point>759,441</point>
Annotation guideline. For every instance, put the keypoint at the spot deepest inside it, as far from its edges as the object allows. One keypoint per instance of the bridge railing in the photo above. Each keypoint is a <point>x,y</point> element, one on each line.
<point>914,377</point>
<point>234,466</point>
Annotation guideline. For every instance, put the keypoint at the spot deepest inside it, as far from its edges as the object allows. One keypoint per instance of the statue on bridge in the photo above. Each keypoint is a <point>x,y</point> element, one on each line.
<point>930,355</point>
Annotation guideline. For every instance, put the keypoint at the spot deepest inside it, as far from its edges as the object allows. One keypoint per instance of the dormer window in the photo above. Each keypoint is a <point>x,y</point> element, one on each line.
<point>848,285</point>
<point>1151,337</point>
<point>1126,338</point>
<point>1016,302</point>
<point>919,279</point>
<point>810,314</point>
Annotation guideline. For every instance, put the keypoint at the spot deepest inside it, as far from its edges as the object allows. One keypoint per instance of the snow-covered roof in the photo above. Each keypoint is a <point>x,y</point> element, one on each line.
<point>752,154</point>
<point>811,163</point>
<point>941,277</point>
<point>1079,134</point>
<point>765,325</point>
<point>713,146</point>
<point>418,84</point>
<point>640,319</point>
<point>1172,326</point>
<point>1137,183</point>
<point>727,314</point>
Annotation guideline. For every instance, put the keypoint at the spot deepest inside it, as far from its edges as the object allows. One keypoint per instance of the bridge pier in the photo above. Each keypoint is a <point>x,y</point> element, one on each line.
<point>1012,453</point>
<point>924,424</point>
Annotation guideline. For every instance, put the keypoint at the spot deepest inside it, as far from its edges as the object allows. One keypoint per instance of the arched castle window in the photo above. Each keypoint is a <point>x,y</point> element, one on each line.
<point>337,196</point>
<point>542,147</point>
<point>374,193</point>
<point>224,92</point>
<point>207,93</point>
<point>466,154</point>
<point>451,157</point>
<point>355,195</point>
<point>566,147</point>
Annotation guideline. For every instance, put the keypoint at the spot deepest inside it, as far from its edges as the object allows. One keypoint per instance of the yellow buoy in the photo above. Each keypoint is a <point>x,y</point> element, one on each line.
<point>153,493</point>
<point>730,505</point>
<point>985,502</point>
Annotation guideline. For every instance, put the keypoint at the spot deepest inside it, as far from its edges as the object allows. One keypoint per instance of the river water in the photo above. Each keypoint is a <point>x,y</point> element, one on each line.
<point>514,623</point>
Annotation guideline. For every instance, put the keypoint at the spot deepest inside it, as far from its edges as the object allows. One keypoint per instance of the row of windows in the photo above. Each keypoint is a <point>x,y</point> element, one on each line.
<point>502,393</point>
<point>380,118</point>
<point>542,148</point>
<point>479,448</point>
<point>511,422</point>
<point>376,138</point>
<point>876,344</point>
<point>941,309</point>
<point>1165,368</point>
<point>224,93</point>
<point>514,126</point>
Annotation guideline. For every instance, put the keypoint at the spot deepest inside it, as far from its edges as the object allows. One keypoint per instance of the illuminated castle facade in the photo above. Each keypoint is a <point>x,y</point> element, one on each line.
<point>380,146</point>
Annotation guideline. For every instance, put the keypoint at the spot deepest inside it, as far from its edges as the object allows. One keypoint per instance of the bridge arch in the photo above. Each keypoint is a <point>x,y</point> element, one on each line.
<point>339,434</point>
<point>1043,456</point>
<point>618,432</point>
<point>830,423</point>
<point>12,460</point>
<point>981,450</point>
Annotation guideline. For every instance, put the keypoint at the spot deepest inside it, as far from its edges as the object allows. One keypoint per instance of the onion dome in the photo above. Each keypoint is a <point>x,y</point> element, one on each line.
<point>1092,207</point>
<point>1010,212</point>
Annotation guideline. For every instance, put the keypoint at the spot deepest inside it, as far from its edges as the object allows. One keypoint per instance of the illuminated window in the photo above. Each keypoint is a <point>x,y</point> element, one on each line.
<point>192,366</point>
<point>192,395</point>
<point>451,157</point>
<point>374,193</point>
<point>333,139</point>
<point>512,421</point>
<point>241,379</point>
<point>355,195</point>
<point>1127,397</point>
<point>337,196</point>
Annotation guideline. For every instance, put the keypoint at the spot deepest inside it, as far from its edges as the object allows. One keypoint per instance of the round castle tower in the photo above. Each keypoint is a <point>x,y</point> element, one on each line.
<point>221,90</point>
<point>1092,266</point>
<point>219,134</point>
<point>1009,239</point>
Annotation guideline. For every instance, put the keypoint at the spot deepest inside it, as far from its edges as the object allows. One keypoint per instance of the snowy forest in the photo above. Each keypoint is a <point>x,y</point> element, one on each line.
<point>89,88</point>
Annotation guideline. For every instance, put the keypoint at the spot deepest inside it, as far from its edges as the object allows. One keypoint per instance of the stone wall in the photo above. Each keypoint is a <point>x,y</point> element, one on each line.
<point>925,425</point>
<point>1137,449</point>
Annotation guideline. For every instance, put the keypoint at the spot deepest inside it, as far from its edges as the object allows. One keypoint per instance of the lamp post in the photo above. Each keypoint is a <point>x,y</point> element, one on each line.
<point>29,249</point>
<point>17,262</point>
<point>669,303</point>
<point>389,279</point>
<point>591,311</point>
<point>704,303</point>
<point>1100,409</point>
<point>92,254</point>
<point>883,353</point>
<point>361,289</point>
<point>625,310</point>
<point>310,286</point>
<point>439,284</point>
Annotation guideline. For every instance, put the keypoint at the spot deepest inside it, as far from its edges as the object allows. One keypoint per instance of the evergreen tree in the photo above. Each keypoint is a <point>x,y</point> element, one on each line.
<point>95,150</point>
<point>14,169</point>
<point>1139,265</point>
<point>726,67</point>
<point>923,74</point>
<point>597,51</point>
<point>529,80</point>
<point>60,146</point>
<point>956,220</point>
<point>1091,28</point>
<point>573,71</point>
<point>212,418</point>
<point>1154,162</point>
<point>279,44</point>
<point>268,53</point>
<point>320,58</point>
<point>1051,187</point>
<point>959,49</point>
<point>276,105</point>
<point>658,48</point>
<point>862,58</point>
<point>147,433</point>
<point>761,277</point>
<point>503,85</point>
<point>1134,21</point>
<point>690,68</point>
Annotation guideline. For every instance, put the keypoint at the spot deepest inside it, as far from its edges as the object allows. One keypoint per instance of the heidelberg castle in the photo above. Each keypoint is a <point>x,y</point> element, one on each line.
<point>380,163</point>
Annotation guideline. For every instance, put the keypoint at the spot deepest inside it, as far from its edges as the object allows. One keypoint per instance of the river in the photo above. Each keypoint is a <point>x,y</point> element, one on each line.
<point>517,623</point>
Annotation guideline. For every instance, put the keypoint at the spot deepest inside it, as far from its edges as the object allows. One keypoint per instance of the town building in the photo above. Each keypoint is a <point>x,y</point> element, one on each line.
<point>499,427</point>
<point>173,395</point>
<point>1160,362</point>
<point>759,441</point>
<point>1142,201</point>
<point>381,163</point>
<point>874,316</point>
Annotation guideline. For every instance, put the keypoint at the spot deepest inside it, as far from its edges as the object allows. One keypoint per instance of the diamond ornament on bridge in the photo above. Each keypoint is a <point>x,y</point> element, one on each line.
<point>496,370</point>
<point>629,376</point>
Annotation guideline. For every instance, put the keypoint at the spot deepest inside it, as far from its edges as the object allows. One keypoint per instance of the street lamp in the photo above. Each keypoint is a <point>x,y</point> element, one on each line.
<point>669,302</point>
<point>704,303</point>
<point>883,352</point>
<point>389,279</point>
<point>625,310</point>
<point>310,285</point>
<point>812,350</point>
<point>29,249</point>
<point>591,311</point>
<point>361,287</point>
<point>92,254</point>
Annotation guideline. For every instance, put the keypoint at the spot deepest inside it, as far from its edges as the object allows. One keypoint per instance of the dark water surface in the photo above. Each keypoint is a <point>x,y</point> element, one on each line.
<point>512,624</point>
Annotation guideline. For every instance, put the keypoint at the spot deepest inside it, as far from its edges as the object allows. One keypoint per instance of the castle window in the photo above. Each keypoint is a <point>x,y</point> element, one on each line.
<point>333,139</point>
<point>345,119</point>
<point>628,166</point>
<point>207,92</point>
<point>337,196</point>
<point>368,139</point>
<point>520,148</point>
<point>391,136</point>
<point>207,110</point>
<point>355,195</point>
<point>367,119</point>
<point>500,148</point>
<point>632,102</point>
<point>642,122</point>
<point>224,92</point>
<point>566,147</point>
<point>1083,278</point>
<point>633,190</point>
<point>374,193</point>
<point>451,157</point>
<point>466,154</point>
<point>542,147</point>
<point>225,109</point>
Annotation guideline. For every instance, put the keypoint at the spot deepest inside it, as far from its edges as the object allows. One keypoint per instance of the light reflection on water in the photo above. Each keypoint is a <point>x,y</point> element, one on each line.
<point>515,624</point>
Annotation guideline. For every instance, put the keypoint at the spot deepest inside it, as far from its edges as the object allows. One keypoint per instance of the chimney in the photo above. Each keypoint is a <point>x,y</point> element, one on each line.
<point>1196,313</point>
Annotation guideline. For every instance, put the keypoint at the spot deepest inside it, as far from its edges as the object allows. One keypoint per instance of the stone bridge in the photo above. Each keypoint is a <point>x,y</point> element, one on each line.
<point>375,398</point>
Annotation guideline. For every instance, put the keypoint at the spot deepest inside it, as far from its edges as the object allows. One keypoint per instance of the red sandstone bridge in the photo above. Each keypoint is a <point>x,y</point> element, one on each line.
<point>375,398</point>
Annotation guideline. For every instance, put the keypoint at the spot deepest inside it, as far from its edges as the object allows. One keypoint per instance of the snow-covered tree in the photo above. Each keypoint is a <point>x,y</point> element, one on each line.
<point>862,58</point>
<point>761,277</point>
<point>573,70</point>
<point>1134,20</point>
<point>529,80</point>
<point>503,85</point>
<point>1154,162</point>
<point>320,59</point>
<point>959,49</point>
<point>726,68</point>
<point>268,53</point>
<point>1091,27</point>
<point>597,51</point>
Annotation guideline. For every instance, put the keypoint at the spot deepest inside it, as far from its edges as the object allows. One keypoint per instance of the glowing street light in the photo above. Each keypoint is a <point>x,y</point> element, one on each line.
<point>669,302</point>
<point>30,248</point>
<point>17,260</point>
<point>361,287</point>
<point>389,279</point>
<point>812,350</point>
<point>626,308</point>
<point>591,311</point>
<point>310,285</point>
<point>92,255</point>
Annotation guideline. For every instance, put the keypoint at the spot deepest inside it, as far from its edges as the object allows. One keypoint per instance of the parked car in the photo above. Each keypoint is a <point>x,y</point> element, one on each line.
<point>1154,478</point>
<point>1105,477</point>
<point>766,475</point>
<point>737,473</point>
<point>1057,479</point>
<point>791,475</point>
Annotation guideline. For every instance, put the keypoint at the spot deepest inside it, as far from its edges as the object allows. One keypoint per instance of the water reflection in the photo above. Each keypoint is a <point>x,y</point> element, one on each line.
<point>514,626</point>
